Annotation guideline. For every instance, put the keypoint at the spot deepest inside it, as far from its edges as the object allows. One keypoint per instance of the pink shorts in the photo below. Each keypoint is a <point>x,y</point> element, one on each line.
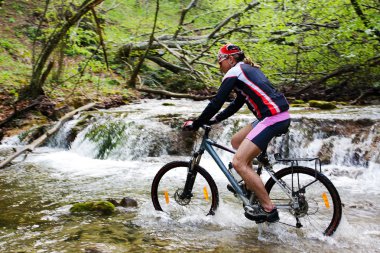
<point>263,131</point>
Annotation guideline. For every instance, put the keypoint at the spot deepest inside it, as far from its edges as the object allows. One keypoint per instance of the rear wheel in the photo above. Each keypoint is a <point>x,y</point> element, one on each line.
<point>168,191</point>
<point>318,208</point>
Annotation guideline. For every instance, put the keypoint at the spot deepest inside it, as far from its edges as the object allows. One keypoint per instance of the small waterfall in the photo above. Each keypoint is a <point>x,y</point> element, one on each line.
<point>131,133</point>
<point>63,139</point>
<point>119,138</point>
<point>341,142</point>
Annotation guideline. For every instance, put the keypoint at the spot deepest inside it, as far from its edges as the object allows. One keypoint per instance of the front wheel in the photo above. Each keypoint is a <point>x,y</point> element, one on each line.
<point>318,208</point>
<point>168,190</point>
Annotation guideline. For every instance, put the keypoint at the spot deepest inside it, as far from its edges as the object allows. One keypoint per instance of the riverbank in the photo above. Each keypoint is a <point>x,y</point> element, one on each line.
<point>16,117</point>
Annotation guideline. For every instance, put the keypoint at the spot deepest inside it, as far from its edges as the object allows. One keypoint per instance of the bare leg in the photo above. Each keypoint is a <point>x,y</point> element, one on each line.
<point>243,165</point>
<point>238,138</point>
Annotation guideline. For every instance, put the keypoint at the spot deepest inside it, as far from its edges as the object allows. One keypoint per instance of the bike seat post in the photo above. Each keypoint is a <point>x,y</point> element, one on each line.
<point>263,158</point>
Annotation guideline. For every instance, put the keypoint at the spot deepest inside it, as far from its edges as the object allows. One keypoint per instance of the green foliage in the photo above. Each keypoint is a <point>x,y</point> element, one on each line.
<point>295,42</point>
<point>13,47</point>
<point>82,42</point>
<point>326,35</point>
<point>14,71</point>
<point>314,38</point>
<point>183,83</point>
<point>107,135</point>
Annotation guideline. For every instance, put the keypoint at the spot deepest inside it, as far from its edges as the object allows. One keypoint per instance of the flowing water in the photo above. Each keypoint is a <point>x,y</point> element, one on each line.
<point>118,153</point>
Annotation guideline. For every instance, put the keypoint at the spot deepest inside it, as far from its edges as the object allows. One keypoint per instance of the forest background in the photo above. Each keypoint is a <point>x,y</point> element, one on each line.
<point>56,55</point>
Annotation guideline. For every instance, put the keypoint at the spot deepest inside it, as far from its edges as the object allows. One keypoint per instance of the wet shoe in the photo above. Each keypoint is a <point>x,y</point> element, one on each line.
<point>259,215</point>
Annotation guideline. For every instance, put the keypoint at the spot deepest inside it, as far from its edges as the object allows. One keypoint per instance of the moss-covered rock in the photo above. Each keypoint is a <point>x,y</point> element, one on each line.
<point>324,105</point>
<point>299,105</point>
<point>125,202</point>
<point>103,207</point>
<point>298,101</point>
<point>128,202</point>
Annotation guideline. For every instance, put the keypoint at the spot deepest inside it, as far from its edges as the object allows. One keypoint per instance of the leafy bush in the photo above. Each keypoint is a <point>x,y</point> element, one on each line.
<point>107,135</point>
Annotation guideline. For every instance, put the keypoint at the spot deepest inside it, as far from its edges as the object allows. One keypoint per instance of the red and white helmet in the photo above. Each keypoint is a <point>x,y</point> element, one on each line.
<point>228,49</point>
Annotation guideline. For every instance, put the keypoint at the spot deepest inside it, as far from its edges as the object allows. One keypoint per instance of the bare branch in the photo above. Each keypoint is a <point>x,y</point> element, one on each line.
<point>235,15</point>
<point>352,68</point>
<point>36,83</point>
<point>181,58</point>
<point>42,138</point>
<point>170,66</point>
<point>99,32</point>
<point>192,4</point>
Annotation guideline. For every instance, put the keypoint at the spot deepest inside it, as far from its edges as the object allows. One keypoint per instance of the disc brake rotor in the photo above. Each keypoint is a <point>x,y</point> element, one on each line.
<point>181,200</point>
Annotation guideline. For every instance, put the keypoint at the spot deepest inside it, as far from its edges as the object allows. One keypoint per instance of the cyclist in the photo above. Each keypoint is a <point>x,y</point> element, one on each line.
<point>268,105</point>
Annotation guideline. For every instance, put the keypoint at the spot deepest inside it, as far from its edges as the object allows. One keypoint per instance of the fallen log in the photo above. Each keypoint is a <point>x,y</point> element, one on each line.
<point>174,95</point>
<point>42,138</point>
<point>169,66</point>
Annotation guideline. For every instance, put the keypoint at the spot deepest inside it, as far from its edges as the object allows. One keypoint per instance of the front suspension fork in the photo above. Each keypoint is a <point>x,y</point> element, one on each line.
<point>191,175</point>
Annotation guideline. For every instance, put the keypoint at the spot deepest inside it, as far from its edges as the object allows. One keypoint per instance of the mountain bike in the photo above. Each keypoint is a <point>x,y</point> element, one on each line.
<point>305,198</point>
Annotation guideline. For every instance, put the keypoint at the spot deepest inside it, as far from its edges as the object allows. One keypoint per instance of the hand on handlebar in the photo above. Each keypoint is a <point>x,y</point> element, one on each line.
<point>189,126</point>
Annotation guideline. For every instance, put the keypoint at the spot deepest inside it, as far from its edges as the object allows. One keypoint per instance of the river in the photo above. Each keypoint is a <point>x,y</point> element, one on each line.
<point>120,160</point>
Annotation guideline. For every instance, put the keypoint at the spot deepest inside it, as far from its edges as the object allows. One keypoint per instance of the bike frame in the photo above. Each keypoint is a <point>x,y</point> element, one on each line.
<point>207,145</point>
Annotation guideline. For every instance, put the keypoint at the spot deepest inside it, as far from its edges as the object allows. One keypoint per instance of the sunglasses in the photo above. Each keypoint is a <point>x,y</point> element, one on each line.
<point>222,57</point>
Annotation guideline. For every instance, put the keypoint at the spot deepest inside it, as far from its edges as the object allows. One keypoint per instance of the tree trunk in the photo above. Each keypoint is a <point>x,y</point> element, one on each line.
<point>37,80</point>
<point>57,75</point>
<point>135,73</point>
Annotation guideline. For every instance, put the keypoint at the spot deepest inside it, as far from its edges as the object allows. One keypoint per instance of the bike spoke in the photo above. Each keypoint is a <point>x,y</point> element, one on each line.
<point>169,194</point>
<point>316,210</point>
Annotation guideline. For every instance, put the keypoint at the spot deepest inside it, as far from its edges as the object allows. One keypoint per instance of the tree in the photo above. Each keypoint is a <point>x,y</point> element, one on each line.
<point>174,45</point>
<point>136,70</point>
<point>300,44</point>
<point>42,65</point>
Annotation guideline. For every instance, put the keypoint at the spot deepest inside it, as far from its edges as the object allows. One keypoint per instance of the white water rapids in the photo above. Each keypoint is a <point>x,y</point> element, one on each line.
<point>37,193</point>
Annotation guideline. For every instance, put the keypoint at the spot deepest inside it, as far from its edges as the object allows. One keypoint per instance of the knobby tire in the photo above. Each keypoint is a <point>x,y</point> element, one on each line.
<point>156,195</point>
